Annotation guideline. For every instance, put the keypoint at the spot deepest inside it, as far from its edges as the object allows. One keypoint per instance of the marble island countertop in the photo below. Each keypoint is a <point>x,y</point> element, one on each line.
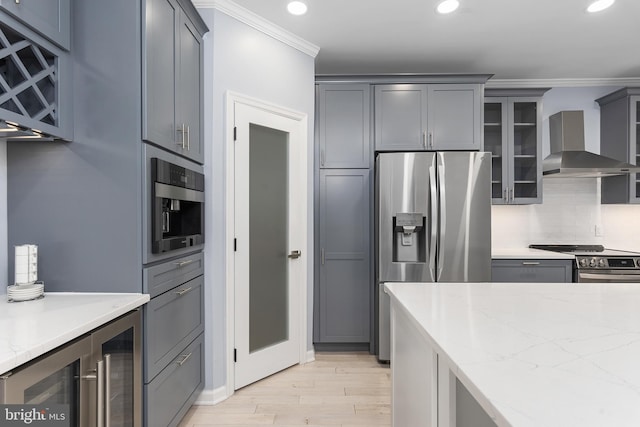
<point>536,354</point>
<point>29,329</point>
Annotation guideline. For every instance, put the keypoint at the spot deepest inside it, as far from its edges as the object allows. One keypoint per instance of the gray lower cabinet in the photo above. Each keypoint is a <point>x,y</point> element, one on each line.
<point>620,128</point>
<point>532,270</point>
<point>343,294</point>
<point>50,18</point>
<point>344,112</point>
<point>173,334</point>
<point>172,77</point>
<point>172,392</point>
<point>428,117</point>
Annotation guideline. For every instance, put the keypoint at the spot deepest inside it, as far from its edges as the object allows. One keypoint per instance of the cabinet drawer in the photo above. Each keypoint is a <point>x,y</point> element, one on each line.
<point>172,320</point>
<point>163,277</point>
<point>173,391</point>
<point>532,270</point>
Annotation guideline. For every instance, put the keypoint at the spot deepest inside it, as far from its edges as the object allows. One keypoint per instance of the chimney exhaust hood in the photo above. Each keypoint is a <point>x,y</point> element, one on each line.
<point>569,159</point>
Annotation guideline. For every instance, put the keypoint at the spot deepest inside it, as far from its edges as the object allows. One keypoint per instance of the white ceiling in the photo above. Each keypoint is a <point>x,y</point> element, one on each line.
<point>512,39</point>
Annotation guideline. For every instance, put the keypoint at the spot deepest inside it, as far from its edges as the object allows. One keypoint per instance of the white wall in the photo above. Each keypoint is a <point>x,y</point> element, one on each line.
<point>241,59</point>
<point>4,257</point>
<point>571,208</point>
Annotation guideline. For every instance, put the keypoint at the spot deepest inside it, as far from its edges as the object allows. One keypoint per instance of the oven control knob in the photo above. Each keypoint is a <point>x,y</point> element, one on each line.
<point>638,262</point>
<point>584,262</point>
<point>592,262</point>
<point>602,263</point>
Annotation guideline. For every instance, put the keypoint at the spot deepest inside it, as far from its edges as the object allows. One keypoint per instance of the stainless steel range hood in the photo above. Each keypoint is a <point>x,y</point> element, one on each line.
<point>569,159</point>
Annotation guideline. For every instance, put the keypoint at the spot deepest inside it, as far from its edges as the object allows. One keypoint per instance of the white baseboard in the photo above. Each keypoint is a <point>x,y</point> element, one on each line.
<point>212,397</point>
<point>311,356</point>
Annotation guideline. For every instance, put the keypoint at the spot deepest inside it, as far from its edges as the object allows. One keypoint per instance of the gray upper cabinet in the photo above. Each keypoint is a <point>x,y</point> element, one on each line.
<point>35,80</point>
<point>50,18</point>
<point>620,128</point>
<point>344,112</point>
<point>513,134</point>
<point>428,117</point>
<point>173,79</point>
<point>342,312</point>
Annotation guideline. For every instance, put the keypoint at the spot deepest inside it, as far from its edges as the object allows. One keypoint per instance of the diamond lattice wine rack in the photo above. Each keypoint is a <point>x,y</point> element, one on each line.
<point>29,85</point>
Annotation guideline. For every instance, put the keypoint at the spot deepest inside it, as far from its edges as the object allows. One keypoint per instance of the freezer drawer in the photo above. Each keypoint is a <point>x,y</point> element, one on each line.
<point>172,320</point>
<point>173,391</point>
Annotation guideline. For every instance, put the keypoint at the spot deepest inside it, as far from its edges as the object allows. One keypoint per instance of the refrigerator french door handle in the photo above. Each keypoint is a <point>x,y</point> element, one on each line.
<point>443,215</point>
<point>434,220</point>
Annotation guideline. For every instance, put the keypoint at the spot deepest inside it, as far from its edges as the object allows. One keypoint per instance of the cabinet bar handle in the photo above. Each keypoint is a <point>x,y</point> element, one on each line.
<point>188,138</point>
<point>321,157</point>
<point>183,291</point>
<point>183,263</point>
<point>182,141</point>
<point>424,139</point>
<point>530,263</point>
<point>512,194</point>
<point>506,197</point>
<point>100,394</point>
<point>431,140</point>
<point>185,357</point>
<point>107,390</point>
<point>322,255</point>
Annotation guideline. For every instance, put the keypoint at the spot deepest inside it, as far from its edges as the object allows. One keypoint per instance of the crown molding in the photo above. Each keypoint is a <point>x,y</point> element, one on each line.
<point>245,16</point>
<point>535,83</point>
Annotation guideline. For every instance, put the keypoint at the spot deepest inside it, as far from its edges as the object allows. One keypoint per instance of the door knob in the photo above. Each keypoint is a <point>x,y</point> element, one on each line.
<point>294,254</point>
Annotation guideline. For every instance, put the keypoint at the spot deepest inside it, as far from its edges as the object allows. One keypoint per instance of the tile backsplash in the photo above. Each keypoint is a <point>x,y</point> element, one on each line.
<point>570,213</point>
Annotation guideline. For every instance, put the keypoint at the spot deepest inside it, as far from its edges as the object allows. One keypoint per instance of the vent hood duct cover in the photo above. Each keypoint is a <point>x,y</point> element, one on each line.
<point>569,159</point>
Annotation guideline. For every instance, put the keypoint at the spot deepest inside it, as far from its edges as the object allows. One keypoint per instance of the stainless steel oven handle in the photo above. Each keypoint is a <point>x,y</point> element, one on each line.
<point>179,193</point>
<point>608,277</point>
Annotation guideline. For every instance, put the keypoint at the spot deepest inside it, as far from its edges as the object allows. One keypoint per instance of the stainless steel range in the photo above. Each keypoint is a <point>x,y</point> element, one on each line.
<point>597,264</point>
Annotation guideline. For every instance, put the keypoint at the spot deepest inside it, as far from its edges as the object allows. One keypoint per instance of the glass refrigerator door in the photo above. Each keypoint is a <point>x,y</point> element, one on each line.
<point>60,378</point>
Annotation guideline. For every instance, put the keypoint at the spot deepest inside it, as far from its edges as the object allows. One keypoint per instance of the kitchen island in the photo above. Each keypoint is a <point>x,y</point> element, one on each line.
<point>484,354</point>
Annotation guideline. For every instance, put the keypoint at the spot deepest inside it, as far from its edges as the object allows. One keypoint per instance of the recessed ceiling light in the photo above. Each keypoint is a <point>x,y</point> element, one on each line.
<point>599,5</point>
<point>448,6</point>
<point>297,8</point>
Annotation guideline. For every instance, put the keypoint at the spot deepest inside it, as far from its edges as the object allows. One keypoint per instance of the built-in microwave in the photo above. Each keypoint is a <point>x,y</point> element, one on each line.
<point>177,207</point>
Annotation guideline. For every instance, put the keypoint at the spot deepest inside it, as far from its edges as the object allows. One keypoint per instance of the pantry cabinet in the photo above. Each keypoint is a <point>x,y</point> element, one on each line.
<point>620,128</point>
<point>172,77</point>
<point>419,117</point>
<point>50,18</point>
<point>513,135</point>
<point>343,294</point>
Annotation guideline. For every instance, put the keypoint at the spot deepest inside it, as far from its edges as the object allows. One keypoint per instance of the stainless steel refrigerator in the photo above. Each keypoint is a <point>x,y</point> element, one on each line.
<point>433,222</point>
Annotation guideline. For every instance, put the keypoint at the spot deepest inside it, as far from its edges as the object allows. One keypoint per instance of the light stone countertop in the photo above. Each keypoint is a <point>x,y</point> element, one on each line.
<point>29,329</point>
<point>527,253</point>
<point>536,354</point>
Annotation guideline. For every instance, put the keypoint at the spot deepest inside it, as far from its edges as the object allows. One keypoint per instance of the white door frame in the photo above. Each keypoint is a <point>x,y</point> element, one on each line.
<point>231,99</point>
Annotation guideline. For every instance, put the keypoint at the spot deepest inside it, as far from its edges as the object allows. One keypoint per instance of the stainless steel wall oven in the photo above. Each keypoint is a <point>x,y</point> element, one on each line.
<point>177,207</point>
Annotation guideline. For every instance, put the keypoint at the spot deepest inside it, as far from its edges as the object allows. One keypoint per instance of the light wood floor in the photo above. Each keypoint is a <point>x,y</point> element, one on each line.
<point>337,389</point>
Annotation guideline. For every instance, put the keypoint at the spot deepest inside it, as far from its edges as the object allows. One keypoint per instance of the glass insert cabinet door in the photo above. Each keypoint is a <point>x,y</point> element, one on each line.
<point>512,134</point>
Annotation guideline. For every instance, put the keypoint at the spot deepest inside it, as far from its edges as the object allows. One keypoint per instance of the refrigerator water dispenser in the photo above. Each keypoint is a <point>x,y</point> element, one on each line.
<point>409,239</point>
